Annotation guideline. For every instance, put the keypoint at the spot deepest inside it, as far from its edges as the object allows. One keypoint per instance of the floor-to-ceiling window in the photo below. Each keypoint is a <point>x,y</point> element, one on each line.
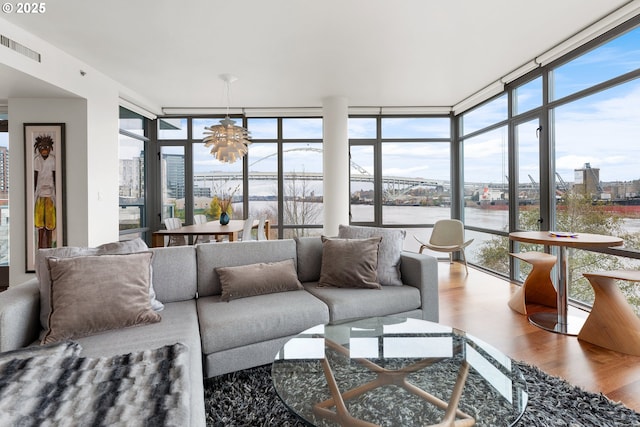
<point>285,174</point>
<point>172,146</point>
<point>302,190</point>
<point>363,137</point>
<point>213,180</point>
<point>132,187</point>
<point>485,146</point>
<point>595,130</point>
<point>557,151</point>
<point>400,172</point>
<point>280,178</point>
<point>263,177</point>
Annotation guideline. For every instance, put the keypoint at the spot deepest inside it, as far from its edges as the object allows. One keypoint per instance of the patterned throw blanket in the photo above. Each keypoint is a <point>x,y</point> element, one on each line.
<point>54,386</point>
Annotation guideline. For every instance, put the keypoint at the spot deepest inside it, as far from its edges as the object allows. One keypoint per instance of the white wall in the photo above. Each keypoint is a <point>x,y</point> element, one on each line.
<point>335,163</point>
<point>102,169</point>
<point>89,106</point>
<point>91,166</point>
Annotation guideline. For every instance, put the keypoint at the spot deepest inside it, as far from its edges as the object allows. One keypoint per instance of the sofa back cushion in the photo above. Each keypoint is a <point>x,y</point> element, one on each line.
<point>209,256</point>
<point>309,251</point>
<point>174,273</point>
<point>390,249</point>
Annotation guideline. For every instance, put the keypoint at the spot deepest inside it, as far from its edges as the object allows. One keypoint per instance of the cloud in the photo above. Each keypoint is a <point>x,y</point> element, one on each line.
<point>602,130</point>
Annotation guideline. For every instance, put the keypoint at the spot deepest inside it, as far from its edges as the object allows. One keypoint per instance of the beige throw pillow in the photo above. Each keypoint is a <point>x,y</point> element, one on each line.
<point>390,249</point>
<point>350,263</point>
<point>42,269</point>
<point>91,294</point>
<point>258,279</point>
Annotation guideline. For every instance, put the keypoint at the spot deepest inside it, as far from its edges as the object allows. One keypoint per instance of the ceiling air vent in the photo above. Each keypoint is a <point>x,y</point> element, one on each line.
<point>21,49</point>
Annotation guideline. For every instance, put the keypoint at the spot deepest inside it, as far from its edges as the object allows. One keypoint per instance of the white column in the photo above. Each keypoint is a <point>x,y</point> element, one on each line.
<point>335,159</point>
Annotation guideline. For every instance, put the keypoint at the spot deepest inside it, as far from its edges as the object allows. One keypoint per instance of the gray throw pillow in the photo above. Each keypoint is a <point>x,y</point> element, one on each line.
<point>309,255</point>
<point>258,279</point>
<point>91,294</point>
<point>42,269</point>
<point>390,249</point>
<point>349,263</point>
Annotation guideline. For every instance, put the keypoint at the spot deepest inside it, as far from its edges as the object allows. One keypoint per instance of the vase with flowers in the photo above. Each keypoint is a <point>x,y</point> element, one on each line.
<point>223,202</point>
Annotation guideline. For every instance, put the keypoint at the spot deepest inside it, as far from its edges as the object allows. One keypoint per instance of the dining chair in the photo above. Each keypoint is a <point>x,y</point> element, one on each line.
<point>174,224</point>
<point>261,234</point>
<point>246,230</point>
<point>201,219</point>
<point>447,236</point>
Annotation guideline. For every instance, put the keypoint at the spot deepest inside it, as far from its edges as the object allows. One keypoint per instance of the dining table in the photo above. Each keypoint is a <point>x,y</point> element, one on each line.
<point>210,228</point>
<point>561,322</point>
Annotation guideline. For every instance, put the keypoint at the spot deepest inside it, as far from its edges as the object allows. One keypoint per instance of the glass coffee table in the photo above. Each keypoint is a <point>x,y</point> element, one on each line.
<point>386,371</point>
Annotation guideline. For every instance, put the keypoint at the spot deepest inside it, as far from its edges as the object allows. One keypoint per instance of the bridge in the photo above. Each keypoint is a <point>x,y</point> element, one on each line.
<point>392,184</point>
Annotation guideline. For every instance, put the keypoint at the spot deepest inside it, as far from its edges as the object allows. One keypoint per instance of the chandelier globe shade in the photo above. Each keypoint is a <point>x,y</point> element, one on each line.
<point>228,142</point>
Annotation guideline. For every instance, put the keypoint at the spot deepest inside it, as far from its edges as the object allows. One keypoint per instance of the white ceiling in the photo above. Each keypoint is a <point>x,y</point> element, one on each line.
<point>292,53</point>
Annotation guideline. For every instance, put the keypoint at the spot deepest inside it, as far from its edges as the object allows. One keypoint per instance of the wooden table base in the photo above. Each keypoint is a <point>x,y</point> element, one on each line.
<point>452,417</point>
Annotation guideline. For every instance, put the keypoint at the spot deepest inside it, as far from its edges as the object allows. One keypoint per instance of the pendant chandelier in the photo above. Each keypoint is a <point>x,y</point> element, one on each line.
<point>228,142</point>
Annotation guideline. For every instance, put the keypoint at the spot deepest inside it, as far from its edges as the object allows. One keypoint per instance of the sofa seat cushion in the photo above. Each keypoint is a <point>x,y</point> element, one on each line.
<point>346,303</point>
<point>179,324</point>
<point>226,325</point>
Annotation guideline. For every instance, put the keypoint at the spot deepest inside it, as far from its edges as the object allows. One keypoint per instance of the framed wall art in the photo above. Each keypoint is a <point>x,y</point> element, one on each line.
<point>44,178</point>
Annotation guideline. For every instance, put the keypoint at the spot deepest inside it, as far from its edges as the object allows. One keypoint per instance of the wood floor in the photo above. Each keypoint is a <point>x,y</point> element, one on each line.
<point>477,304</point>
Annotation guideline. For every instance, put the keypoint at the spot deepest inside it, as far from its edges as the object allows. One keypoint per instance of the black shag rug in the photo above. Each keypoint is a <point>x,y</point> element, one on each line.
<point>247,398</point>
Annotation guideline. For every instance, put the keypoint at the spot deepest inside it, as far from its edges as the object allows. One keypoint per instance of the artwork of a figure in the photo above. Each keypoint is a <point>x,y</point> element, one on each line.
<point>44,179</point>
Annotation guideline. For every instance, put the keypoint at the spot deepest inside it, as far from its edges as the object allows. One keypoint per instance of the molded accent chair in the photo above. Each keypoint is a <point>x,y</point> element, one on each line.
<point>447,236</point>
<point>537,287</point>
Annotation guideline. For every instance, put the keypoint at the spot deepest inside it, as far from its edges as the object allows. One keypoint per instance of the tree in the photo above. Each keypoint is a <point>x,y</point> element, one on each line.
<point>300,205</point>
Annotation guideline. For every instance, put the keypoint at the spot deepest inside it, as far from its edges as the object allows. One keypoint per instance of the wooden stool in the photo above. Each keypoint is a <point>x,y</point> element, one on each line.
<point>537,287</point>
<point>612,322</point>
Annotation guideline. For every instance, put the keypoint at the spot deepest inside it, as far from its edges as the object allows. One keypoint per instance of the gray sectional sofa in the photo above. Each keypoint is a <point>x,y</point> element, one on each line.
<point>226,336</point>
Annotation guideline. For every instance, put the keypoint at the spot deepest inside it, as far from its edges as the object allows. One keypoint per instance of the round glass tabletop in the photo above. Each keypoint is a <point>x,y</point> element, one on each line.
<point>386,371</point>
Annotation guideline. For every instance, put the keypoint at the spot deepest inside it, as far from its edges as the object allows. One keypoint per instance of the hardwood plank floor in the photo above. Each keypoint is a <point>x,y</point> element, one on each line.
<point>477,304</point>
